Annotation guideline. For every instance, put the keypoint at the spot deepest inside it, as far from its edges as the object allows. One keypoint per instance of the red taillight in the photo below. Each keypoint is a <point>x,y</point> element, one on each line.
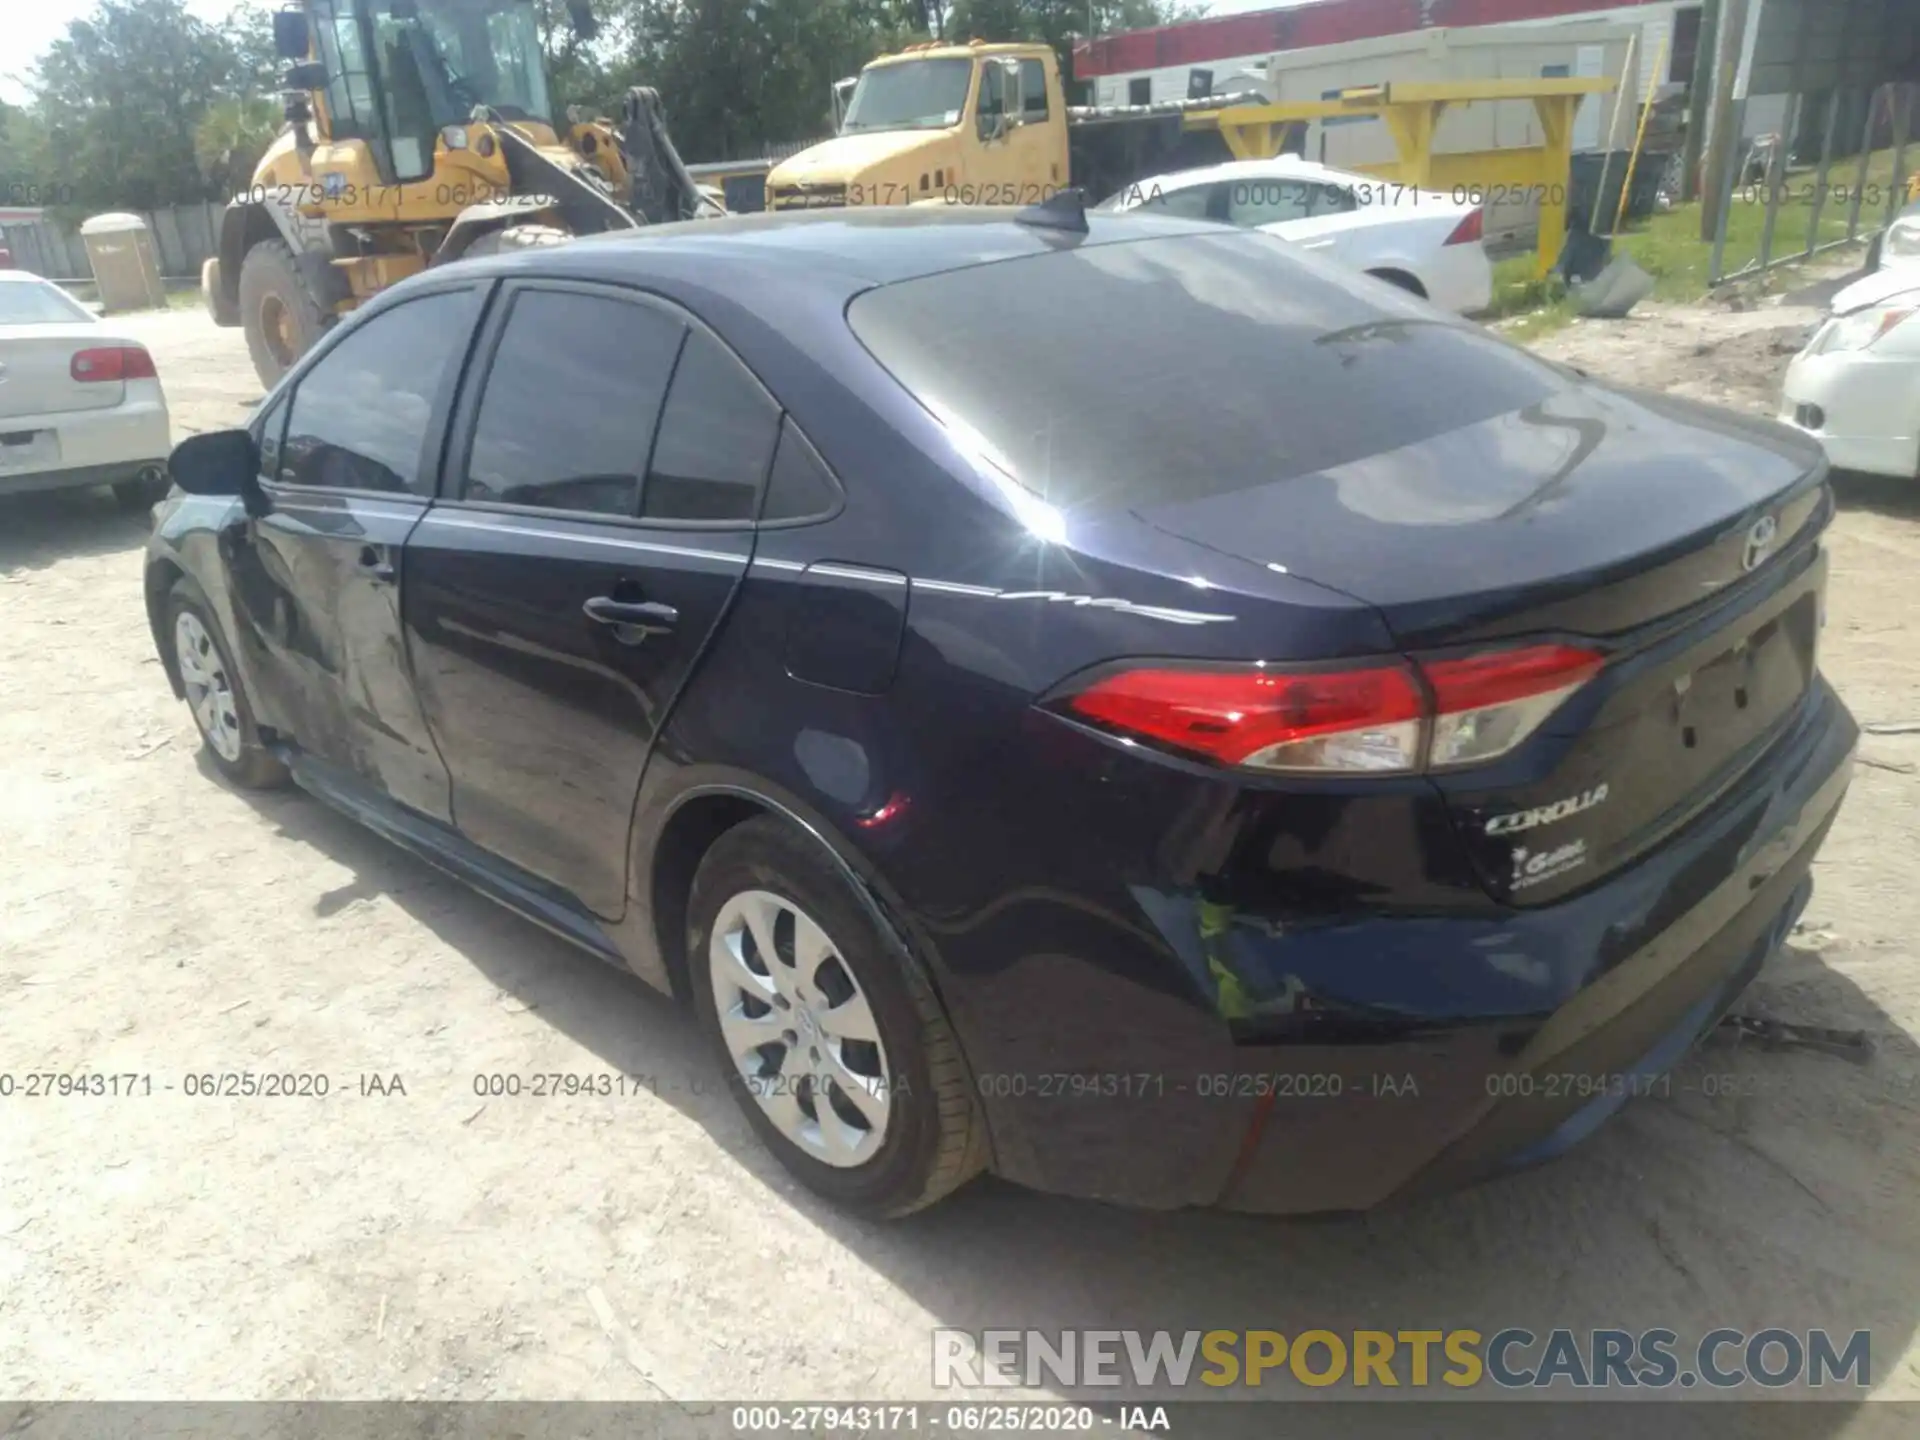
<point>1379,717</point>
<point>1470,231</point>
<point>112,363</point>
<point>1270,719</point>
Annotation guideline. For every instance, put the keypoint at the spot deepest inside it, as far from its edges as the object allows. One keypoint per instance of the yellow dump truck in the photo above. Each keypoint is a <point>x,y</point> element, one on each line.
<point>982,124</point>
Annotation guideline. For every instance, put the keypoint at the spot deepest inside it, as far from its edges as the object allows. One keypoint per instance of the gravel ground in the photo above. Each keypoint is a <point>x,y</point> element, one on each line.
<point>409,1239</point>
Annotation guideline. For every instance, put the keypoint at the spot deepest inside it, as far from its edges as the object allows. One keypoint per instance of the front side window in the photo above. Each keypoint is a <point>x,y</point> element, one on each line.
<point>571,404</point>
<point>362,414</point>
<point>910,95</point>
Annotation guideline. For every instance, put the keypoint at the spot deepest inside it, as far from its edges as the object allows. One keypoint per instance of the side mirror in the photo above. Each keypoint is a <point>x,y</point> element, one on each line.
<point>581,17</point>
<point>220,462</point>
<point>311,76</point>
<point>1013,96</point>
<point>290,38</point>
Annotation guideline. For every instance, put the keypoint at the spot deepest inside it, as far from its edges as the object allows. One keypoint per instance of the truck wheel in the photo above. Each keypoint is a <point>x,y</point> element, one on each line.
<point>281,315</point>
<point>515,237</point>
<point>225,312</point>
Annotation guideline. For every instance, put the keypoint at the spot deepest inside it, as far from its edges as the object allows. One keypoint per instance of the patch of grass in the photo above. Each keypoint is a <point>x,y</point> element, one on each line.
<point>183,298</point>
<point>1669,248</point>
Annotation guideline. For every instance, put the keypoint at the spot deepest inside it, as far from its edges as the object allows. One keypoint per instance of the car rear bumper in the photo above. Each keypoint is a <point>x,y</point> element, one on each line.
<point>1864,409</point>
<point>1460,279</point>
<point>93,447</point>
<point>1291,1107</point>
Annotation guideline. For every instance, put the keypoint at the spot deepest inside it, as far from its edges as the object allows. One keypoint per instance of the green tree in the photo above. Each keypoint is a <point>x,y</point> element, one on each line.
<point>121,95</point>
<point>231,138</point>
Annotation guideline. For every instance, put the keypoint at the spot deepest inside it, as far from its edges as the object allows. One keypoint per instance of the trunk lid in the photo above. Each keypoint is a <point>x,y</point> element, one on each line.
<point>1678,539</point>
<point>38,378</point>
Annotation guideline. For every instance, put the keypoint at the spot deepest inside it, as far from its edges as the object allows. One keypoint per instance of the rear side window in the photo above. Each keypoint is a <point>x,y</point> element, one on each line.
<point>799,487</point>
<point>1267,202</point>
<point>716,438</point>
<point>1109,376</point>
<point>1195,202</point>
<point>34,302</point>
<point>571,404</point>
<point>361,415</point>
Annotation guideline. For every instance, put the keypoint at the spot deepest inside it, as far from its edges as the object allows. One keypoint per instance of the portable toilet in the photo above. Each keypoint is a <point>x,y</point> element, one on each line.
<point>125,266</point>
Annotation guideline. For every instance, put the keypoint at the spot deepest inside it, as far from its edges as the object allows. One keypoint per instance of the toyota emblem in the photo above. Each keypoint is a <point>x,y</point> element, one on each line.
<point>1760,541</point>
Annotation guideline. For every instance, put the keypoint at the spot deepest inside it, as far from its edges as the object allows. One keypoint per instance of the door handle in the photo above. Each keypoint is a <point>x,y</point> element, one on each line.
<point>648,616</point>
<point>374,562</point>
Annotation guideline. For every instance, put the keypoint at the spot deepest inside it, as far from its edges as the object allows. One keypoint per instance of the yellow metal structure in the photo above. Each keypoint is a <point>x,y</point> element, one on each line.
<point>1411,112</point>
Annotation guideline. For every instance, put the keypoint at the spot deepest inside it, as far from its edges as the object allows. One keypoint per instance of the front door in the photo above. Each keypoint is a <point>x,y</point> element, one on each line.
<point>318,578</point>
<point>602,488</point>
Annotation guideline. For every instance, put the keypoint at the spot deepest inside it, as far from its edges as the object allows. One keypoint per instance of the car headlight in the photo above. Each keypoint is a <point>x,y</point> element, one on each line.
<point>1902,242</point>
<point>1864,327</point>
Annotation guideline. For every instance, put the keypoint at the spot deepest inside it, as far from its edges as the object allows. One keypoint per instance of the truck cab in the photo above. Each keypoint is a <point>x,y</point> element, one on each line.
<point>962,124</point>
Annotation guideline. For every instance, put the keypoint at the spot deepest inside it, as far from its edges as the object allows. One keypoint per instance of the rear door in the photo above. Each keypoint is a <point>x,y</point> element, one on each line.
<point>318,578</point>
<point>600,499</point>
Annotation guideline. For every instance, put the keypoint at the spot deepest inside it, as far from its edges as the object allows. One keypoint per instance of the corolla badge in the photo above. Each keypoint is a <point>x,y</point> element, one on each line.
<point>1761,539</point>
<point>1520,821</point>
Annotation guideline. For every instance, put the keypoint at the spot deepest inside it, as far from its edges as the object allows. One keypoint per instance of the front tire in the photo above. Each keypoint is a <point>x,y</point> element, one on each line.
<point>221,712</point>
<point>834,1045</point>
<point>280,313</point>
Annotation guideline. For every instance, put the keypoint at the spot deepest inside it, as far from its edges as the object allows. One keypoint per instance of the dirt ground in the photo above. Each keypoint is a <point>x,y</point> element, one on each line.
<point>434,1244</point>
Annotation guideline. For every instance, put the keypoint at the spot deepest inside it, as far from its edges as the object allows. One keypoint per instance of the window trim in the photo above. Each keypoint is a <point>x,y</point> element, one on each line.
<point>433,446</point>
<point>466,412</point>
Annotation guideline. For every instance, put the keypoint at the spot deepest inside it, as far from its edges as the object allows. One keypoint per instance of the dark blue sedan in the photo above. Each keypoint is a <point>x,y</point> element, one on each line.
<point>1106,699</point>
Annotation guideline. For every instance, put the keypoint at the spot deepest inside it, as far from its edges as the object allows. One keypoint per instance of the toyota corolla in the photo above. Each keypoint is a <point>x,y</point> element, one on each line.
<point>1109,699</point>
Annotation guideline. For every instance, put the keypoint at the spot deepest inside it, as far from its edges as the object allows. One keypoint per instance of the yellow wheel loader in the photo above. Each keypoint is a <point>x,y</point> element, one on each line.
<point>419,131</point>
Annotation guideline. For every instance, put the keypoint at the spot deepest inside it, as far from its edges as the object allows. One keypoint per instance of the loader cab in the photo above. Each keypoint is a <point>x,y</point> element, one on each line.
<point>398,75</point>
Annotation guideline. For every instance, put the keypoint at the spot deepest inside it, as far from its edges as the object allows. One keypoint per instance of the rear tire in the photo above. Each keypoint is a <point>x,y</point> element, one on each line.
<point>931,1138</point>
<point>515,237</point>
<point>221,712</point>
<point>142,492</point>
<point>280,313</point>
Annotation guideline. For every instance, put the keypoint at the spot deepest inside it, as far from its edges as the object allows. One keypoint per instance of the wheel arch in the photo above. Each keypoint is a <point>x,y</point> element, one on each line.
<point>243,226</point>
<point>1399,275</point>
<point>695,820</point>
<point>162,575</point>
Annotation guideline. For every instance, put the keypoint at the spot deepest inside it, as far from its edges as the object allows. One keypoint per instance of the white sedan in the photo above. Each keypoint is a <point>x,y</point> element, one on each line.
<point>1422,241</point>
<point>80,402</point>
<point>1856,386</point>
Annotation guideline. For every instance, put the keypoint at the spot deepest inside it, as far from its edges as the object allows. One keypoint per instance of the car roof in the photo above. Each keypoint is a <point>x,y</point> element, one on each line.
<point>22,277</point>
<point>839,251</point>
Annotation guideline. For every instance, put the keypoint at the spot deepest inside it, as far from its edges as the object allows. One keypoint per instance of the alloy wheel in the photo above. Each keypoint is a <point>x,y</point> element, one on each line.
<point>799,1028</point>
<point>209,687</point>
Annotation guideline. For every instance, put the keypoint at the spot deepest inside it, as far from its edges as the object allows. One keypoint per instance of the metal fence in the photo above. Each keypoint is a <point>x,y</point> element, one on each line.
<point>184,236</point>
<point>1844,68</point>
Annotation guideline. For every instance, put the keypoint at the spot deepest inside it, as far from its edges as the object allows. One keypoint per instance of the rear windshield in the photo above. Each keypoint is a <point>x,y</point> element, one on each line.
<point>27,302</point>
<point>1114,376</point>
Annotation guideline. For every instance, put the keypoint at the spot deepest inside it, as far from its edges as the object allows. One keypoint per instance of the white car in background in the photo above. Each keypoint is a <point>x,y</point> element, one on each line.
<point>80,402</point>
<point>1422,241</point>
<point>1856,386</point>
